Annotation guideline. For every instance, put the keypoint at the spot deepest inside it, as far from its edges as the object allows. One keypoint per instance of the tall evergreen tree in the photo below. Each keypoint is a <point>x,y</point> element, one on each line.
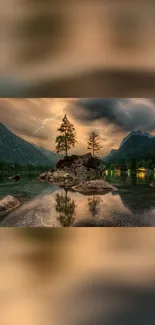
<point>67,138</point>
<point>94,143</point>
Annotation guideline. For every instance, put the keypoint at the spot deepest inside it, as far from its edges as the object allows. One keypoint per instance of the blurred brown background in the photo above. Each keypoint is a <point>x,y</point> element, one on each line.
<point>77,48</point>
<point>77,276</point>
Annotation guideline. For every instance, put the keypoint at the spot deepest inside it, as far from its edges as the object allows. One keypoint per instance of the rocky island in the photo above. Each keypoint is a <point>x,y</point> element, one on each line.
<point>81,173</point>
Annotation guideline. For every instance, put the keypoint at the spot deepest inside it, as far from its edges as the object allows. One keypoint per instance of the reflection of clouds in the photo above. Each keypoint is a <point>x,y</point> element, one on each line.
<point>107,204</point>
<point>49,209</point>
<point>39,212</point>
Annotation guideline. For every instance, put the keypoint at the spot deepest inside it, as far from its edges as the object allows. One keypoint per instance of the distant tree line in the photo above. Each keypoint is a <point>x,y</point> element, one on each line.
<point>9,166</point>
<point>131,163</point>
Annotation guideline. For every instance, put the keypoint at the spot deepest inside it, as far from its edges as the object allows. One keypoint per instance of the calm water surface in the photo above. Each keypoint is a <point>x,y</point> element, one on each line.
<point>47,205</point>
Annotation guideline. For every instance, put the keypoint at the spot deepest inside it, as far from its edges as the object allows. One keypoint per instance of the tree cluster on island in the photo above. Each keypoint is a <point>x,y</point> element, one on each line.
<point>7,166</point>
<point>66,140</point>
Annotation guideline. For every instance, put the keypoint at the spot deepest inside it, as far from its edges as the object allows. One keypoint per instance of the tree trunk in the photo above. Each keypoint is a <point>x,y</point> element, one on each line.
<point>66,151</point>
<point>66,144</point>
<point>93,149</point>
<point>66,195</point>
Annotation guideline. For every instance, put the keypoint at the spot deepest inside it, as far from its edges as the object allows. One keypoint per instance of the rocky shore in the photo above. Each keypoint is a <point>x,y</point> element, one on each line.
<point>59,177</point>
<point>152,184</point>
<point>7,204</point>
<point>83,174</point>
<point>94,186</point>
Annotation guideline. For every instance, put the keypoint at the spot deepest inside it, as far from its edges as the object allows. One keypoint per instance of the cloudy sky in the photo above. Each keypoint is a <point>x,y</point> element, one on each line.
<point>37,120</point>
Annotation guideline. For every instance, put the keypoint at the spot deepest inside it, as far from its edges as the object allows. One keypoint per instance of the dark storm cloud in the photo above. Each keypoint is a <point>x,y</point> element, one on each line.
<point>127,114</point>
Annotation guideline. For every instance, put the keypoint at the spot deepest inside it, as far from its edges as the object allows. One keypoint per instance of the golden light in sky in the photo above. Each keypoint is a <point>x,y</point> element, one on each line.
<point>37,120</point>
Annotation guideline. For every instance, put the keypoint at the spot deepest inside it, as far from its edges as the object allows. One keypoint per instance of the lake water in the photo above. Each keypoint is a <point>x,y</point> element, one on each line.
<point>46,205</point>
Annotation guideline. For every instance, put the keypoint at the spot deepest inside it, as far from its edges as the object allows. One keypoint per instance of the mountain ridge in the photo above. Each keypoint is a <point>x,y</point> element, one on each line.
<point>134,133</point>
<point>16,150</point>
<point>137,144</point>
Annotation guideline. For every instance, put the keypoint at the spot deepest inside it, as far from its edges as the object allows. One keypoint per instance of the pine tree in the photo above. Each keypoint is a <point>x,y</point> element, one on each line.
<point>94,143</point>
<point>67,138</point>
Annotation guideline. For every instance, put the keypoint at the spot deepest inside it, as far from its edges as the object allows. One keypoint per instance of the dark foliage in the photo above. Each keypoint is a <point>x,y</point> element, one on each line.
<point>66,161</point>
<point>66,138</point>
<point>93,163</point>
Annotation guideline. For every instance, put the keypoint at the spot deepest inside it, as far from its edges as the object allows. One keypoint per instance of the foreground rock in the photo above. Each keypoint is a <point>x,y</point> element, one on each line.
<point>72,170</point>
<point>94,187</point>
<point>7,204</point>
<point>60,178</point>
<point>15,177</point>
<point>39,212</point>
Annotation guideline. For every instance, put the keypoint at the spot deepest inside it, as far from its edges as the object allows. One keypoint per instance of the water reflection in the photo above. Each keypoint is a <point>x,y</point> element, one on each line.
<point>94,205</point>
<point>129,177</point>
<point>124,176</point>
<point>133,178</point>
<point>141,175</point>
<point>118,172</point>
<point>66,207</point>
<point>49,206</point>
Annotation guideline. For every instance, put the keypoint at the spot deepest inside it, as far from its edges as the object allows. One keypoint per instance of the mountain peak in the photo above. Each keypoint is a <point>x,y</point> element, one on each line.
<point>136,133</point>
<point>14,149</point>
<point>136,144</point>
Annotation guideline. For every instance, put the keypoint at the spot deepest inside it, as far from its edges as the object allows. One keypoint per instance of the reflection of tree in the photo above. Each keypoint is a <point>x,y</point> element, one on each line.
<point>66,207</point>
<point>94,207</point>
<point>133,164</point>
<point>133,178</point>
<point>124,176</point>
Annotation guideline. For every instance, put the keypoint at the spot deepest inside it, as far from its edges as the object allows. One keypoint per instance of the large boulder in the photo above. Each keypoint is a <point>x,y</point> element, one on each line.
<point>15,177</point>
<point>152,184</point>
<point>59,177</point>
<point>46,175</point>
<point>98,186</point>
<point>7,204</point>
